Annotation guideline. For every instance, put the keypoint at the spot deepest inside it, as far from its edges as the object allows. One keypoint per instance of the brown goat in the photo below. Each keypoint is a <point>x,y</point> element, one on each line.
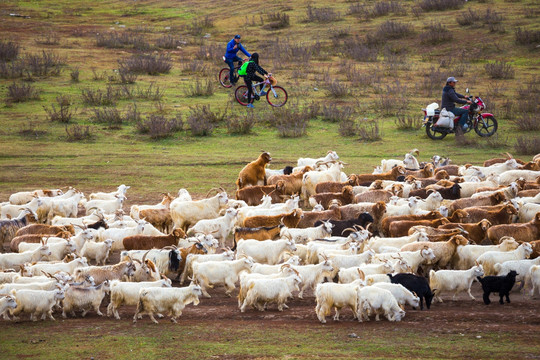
<point>528,193</point>
<point>334,187</point>
<point>259,233</point>
<point>536,249</point>
<point>290,220</point>
<point>35,238</point>
<point>458,216</point>
<point>253,195</point>
<point>426,172</point>
<point>147,242</point>
<point>196,248</point>
<point>476,232</point>
<point>311,217</point>
<point>441,175</point>
<point>160,218</point>
<point>353,211</point>
<point>496,217</point>
<point>521,232</point>
<point>531,165</point>
<point>401,227</point>
<point>493,199</point>
<point>293,182</point>
<point>436,234</point>
<point>345,197</point>
<point>366,179</point>
<point>375,195</point>
<point>450,169</point>
<point>444,251</point>
<point>44,229</point>
<point>385,224</point>
<point>532,184</point>
<point>494,161</point>
<point>254,173</point>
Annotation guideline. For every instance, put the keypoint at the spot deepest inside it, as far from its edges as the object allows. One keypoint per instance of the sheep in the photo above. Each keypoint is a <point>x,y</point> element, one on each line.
<point>521,232</point>
<point>121,190</point>
<point>454,280</point>
<point>330,156</point>
<point>375,299</point>
<point>520,266</point>
<point>376,243</point>
<point>7,304</point>
<point>290,219</point>
<point>58,249</point>
<point>476,232</point>
<point>23,197</point>
<point>348,275</point>
<point>254,172</point>
<point>534,275</point>
<point>270,290</point>
<point>312,178</point>
<point>443,250</point>
<point>107,272</point>
<point>466,256</point>
<point>36,302</point>
<point>500,284</point>
<point>252,195</point>
<point>51,268</point>
<point>303,235</point>
<point>170,300</point>
<point>211,273</point>
<point>12,260</point>
<point>402,295</point>
<point>84,298</point>
<point>292,183</point>
<point>337,296</point>
<point>490,258</point>
<point>97,251</point>
<point>187,213</point>
<point>265,252</point>
<point>127,293</point>
<point>106,206</point>
<point>345,197</point>
<point>220,227</point>
<point>8,228</point>
<point>416,284</point>
<point>227,255</point>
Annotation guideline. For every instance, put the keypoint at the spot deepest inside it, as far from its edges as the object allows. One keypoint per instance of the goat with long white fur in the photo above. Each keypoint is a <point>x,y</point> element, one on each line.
<point>15,260</point>
<point>51,268</point>
<point>127,293</point>
<point>373,299</point>
<point>377,243</point>
<point>331,295</point>
<point>414,259</point>
<point>84,298</point>
<point>121,190</point>
<point>219,227</point>
<point>24,197</point>
<point>227,255</point>
<point>304,235</point>
<point>117,235</point>
<point>59,249</point>
<point>212,273</point>
<point>262,291</point>
<point>330,156</point>
<point>348,275</point>
<point>98,251</point>
<point>313,274</point>
<point>496,169</point>
<point>520,266</point>
<point>265,252</point>
<point>246,279</point>
<point>402,295</point>
<point>465,256</point>
<point>409,162</point>
<point>490,258</point>
<point>454,280</point>
<point>312,178</point>
<point>7,304</point>
<point>36,302</point>
<point>187,213</point>
<point>67,207</point>
<point>106,206</point>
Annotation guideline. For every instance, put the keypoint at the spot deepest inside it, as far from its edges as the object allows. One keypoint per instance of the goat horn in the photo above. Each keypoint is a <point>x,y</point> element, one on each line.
<point>137,260</point>
<point>209,191</point>
<point>352,229</point>
<point>144,256</point>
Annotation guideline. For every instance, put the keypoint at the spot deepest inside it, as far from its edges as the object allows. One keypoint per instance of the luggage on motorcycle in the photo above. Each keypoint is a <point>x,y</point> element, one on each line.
<point>430,109</point>
<point>446,119</point>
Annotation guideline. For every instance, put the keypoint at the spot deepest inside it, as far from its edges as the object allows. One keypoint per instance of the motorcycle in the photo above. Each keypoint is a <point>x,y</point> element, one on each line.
<point>484,124</point>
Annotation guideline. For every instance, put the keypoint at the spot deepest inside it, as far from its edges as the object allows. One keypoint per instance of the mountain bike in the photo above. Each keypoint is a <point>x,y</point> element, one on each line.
<point>224,74</point>
<point>276,95</point>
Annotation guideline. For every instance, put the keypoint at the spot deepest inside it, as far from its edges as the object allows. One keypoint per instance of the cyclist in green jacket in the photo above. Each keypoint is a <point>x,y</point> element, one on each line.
<point>248,72</point>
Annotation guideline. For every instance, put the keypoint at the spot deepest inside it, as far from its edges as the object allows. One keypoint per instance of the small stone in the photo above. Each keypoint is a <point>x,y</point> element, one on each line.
<point>206,36</point>
<point>167,28</point>
<point>478,337</point>
<point>121,26</point>
<point>353,335</point>
<point>316,89</point>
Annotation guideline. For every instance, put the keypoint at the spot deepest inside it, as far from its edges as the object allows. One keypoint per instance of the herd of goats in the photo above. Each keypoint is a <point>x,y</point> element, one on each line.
<point>375,243</point>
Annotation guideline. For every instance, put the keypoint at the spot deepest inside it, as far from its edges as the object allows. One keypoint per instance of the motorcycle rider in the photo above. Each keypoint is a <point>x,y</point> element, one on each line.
<point>449,97</point>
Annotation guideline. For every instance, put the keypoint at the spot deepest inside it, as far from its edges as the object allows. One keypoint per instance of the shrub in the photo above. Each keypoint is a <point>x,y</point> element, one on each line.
<point>199,26</point>
<point>97,97</point>
<point>74,75</point>
<point>440,5</point>
<point>152,92</point>
<point>21,92</point>
<point>348,127</point>
<point>201,88</point>
<point>132,114</point>
<point>9,50</point>
<point>361,78</point>
<point>469,17</point>
<point>194,66</point>
<point>392,98</point>
<point>78,133</point>
<point>527,145</point>
<point>61,111</point>
<point>116,40</point>
<point>48,38</point>
<point>435,34</point>
<point>146,64</point>
<point>96,76</point>
<point>202,120</point>
<point>277,20</point>
<point>499,70</point>
<point>337,89</point>
<point>212,52</point>
<point>109,116</point>
<point>394,29</point>
<point>407,122</point>
<point>527,37</point>
<point>431,81</point>
<point>527,121</point>
<point>45,64</point>
<point>321,15</point>
<point>472,18</point>
<point>159,127</point>
<point>11,70</point>
<point>291,123</point>
<point>369,130</point>
<point>126,77</point>
<point>30,129</point>
<point>355,49</point>
<point>242,124</point>
<point>168,41</point>
<point>334,113</point>
<point>383,8</point>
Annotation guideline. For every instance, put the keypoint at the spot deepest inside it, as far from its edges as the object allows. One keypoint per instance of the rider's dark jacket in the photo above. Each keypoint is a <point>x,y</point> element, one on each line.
<point>252,68</point>
<point>449,97</point>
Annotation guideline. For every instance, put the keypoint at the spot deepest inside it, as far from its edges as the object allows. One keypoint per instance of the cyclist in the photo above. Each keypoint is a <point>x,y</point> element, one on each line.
<point>233,47</point>
<point>248,71</point>
<point>449,97</point>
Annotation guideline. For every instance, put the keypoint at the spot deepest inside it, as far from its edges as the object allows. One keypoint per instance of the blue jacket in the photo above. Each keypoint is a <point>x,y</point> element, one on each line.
<point>231,53</point>
<point>449,97</point>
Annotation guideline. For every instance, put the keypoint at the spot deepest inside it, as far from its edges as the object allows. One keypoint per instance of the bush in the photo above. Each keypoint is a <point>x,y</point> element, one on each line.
<point>277,20</point>
<point>369,130</point>
<point>116,40</point>
<point>527,145</point>
<point>440,5</point>
<point>469,17</point>
<point>45,64</point>
<point>499,70</point>
<point>431,81</point>
<point>168,41</point>
<point>30,129</point>
<point>355,49</point>
<point>126,77</point>
<point>348,127</point>
<point>242,124</point>
<point>78,133</point>
<point>407,122</point>
<point>146,64</point>
<point>21,92</point>
<point>527,121</point>
<point>74,75</point>
<point>202,120</point>
<point>97,97</point>
<point>159,127</point>
<point>361,78</point>
<point>322,15</point>
<point>199,26</point>
<point>527,37</point>
<point>291,123</point>
<point>132,114</point>
<point>9,50</point>
<point>387,31</point>
<point>435,34</point>
<point>152,92</point>
<point>201,88</point>
<point>11,70</point>
<point>108,116</point>
<point>383,8</point>
<point>472,18</point>
<point>334,113</point>
<point>48,38</point>
<point>61,111</point>
<point>391,99</point>
<point>337,89</point>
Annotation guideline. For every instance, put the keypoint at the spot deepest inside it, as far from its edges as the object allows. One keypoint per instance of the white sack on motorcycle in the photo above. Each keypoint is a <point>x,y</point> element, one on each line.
<point>446,119</point>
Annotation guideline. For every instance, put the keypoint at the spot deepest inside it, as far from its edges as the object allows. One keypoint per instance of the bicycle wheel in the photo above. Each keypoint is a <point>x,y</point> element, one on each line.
<point>486,127</point>
<point>277,96</point>
<point>240,94</point>
<point>224,78</point>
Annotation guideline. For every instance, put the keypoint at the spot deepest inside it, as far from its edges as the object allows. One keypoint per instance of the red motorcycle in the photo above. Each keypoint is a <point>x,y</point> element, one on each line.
<point>484,124</point>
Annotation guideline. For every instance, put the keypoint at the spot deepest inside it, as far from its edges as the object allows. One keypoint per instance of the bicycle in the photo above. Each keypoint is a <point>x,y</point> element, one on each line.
<point>225,73</point>
<point>276,95</point>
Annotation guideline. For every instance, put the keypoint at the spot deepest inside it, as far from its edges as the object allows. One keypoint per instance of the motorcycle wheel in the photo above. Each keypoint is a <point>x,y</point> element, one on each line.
<point>434,134</point>
<point>486,127</point>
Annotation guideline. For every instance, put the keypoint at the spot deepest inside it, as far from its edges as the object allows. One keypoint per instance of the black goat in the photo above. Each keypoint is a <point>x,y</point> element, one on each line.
<point>98,224</point>
<point>498,284</point>
<point>343,227</point>
<point>287,170</point>
<point>415,284</point>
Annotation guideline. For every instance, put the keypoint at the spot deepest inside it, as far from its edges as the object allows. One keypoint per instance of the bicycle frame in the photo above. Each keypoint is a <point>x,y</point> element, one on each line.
<point>265,82</point>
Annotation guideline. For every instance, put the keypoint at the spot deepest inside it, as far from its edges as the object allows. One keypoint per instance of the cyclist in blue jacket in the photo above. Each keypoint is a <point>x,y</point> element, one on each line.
<point>233,47</point>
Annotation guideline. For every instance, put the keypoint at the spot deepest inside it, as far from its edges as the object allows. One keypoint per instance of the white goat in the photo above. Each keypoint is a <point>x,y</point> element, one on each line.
<point>337,296</point>
<point>454,280</point>
<point>303,235</point>
<point>127,293</point>
<point>227,255</point>
<point>373,299</point>
<point>490,258</point>
<point>84,298</point>
<point>262,291</point>
<point>330,156</point>
<point>36,302</point>
<point>97,251</point>
<point>402,295</point>
<point>211,273</point>
<point>121,190</point>
<point>466,256</point>
<point>106,206</point>
<point>265,252</point>
<point>14,260</point>
<point>219,227</point>
<point>187,213</point>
